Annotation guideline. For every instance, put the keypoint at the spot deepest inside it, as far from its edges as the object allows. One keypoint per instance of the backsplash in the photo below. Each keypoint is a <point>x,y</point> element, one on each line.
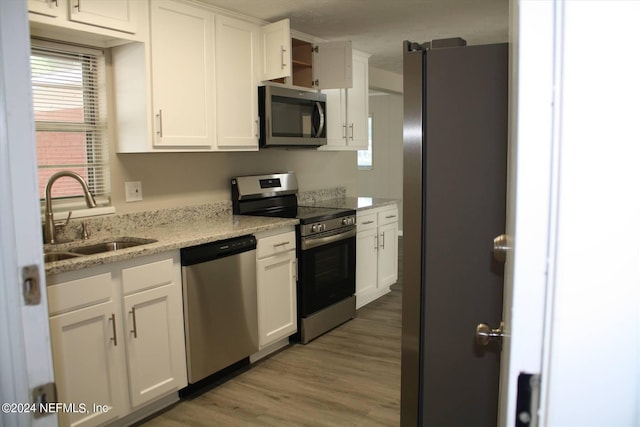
<point>121,224</point>
<point>311,197</point>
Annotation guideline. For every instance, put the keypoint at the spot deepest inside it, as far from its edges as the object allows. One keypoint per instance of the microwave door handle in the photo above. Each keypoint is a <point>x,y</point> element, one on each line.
<point>321,115</point>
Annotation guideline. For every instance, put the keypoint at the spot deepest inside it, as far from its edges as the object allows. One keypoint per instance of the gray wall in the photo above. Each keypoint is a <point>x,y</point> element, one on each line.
<point>385,179</point>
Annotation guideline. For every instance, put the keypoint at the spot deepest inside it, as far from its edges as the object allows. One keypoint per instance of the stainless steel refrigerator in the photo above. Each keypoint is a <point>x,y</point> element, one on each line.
<point>455,163</point>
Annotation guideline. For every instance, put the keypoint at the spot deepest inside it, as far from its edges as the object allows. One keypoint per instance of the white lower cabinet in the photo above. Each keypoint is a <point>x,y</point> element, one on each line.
<point>376,253</point>
<point>117,337</point>
<point>88,362</point>
<point>276,281</point>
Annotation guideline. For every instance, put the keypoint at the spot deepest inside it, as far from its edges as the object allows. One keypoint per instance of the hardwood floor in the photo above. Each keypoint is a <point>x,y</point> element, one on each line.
<point>350,376</point>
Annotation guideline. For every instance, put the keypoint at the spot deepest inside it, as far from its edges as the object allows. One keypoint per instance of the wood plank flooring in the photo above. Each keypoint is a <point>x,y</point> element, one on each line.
<point>350,376</point>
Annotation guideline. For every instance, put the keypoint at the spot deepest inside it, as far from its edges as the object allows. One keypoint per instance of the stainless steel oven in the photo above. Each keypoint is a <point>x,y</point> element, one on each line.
<point>291,117</point>
<point>326,266</point>
<point>326,249</point>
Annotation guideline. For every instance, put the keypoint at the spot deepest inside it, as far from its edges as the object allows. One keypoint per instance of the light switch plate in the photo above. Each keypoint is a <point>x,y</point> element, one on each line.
<point>133,191</point>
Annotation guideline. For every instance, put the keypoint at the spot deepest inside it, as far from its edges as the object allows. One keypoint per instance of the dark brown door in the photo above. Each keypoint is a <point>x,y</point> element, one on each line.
<point>452,282</point>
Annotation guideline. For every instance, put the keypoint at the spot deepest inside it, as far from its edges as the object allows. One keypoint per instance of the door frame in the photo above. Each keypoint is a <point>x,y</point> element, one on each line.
<point>530,168</point>
<point>575,304</point>
<point>25,353</point>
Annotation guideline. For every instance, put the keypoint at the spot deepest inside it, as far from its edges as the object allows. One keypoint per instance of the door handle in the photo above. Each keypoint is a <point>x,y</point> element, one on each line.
<point>501,246</point>
<point>484,334</point>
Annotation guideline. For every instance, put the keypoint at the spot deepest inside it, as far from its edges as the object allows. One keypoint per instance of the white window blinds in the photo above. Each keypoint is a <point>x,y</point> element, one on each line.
<point>69,110</point>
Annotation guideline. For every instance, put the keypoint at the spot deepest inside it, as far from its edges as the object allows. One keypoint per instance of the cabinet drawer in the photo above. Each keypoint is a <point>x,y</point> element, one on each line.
<point>147,276</point>
<point>388,216</point>
<point>367,221</point>
<point>276,244</point>
<point>79,293</point>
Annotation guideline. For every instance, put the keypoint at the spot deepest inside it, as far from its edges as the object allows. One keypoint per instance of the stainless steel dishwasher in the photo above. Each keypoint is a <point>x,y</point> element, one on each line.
<point>220,304</point>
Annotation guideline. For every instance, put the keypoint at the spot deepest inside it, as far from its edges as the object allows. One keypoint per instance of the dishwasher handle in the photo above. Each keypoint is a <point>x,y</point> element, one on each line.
<point>216,250</point>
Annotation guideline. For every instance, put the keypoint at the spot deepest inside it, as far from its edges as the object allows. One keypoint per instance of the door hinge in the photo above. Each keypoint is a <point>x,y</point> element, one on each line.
<point>31,285</point>
<point>42,397</point>
<point>528,400</point>
<point>315,49</point>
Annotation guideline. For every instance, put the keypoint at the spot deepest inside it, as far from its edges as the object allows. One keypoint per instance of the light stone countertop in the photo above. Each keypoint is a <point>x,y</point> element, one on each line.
<point>169,237</point>
<point>178,228</point>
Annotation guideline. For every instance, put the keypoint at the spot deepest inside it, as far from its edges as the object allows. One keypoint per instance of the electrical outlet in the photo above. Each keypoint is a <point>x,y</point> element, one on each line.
<point>132,191</point>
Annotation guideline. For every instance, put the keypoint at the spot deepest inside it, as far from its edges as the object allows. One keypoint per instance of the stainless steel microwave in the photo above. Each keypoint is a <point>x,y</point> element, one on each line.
<point>291,118</point>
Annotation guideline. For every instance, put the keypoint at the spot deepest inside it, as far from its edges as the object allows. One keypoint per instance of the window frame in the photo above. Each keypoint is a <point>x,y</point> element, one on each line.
<point>94,128</point>
<point>369,149</point>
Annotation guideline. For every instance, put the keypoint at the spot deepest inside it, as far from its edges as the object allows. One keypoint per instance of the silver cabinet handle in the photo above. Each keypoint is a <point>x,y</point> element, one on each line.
<point>75,6</point>
<point>275,245</point>
<point>390,216</point>
<point>159,116</point>
<point>367,222</point>
<point>134,331</point>
<point>351,126</point>
<point>375,243</point>
<point>344,131</point>
<point>282,52</point>
<point>258,128</point>
<point>382,244</point>
<point>113,328</point>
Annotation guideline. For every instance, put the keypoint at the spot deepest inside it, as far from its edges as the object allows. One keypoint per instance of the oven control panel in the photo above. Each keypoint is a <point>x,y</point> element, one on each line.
<point>327,225</point>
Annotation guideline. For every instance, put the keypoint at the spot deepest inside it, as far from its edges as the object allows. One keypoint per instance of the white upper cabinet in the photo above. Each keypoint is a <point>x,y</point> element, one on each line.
<point>358,104</point>
<point>303,63</point>
<point>236,84</point>
<point>100,23</point>
<point>45,7</point>
<point>348,110</point>
<point>115,14</point>
<point>183,75</point>
<point>275,58</point>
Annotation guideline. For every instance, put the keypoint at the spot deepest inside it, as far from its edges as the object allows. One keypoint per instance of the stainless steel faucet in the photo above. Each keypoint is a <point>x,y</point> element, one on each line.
<point>49,224</point>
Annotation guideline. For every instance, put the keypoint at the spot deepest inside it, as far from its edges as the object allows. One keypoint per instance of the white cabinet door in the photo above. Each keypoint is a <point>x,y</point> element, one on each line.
<point>366,265</point>
<point>358,105</point>
<point>236,84</point>
<point>276,281</point>
<point>114,14</point>
<point>45,7</point>
<point>88,363</point>
<point>183,75</point>
<point>332,65</point>
<point>336,118</point>
<point>275,50</point>
<point>348,110</point>
<point>155,343</point>
<point>387,255</point>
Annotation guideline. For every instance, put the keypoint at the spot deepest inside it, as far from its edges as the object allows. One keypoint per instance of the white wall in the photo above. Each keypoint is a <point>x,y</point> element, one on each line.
<point>385,179</point>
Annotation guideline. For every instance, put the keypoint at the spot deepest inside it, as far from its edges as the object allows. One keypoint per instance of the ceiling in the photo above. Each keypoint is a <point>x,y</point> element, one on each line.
<point>378,27</point>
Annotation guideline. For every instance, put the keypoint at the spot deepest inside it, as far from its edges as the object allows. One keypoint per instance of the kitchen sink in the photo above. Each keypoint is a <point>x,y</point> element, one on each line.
<point>110,246</point>
<point>98,248</point>
<point>59,256</point>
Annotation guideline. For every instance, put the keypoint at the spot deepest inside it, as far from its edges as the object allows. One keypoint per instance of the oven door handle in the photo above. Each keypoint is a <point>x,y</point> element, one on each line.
<point>314,242</point>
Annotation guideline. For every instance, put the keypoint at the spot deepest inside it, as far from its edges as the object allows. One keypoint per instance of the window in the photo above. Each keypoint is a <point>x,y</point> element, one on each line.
<point>70,121</point>
<point>365,157</point>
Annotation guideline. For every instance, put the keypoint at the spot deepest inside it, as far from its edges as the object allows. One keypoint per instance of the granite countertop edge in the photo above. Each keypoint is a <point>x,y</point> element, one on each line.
<point>187,232</point>
<point>169,237</point>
